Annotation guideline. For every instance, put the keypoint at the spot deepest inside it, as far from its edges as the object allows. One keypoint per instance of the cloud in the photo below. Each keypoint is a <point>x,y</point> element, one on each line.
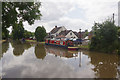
<point>55,10</point>
<point>75,14</point>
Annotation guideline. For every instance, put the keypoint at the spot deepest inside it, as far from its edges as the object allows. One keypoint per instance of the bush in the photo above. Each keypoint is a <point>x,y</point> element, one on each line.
<point>105,37</point>
<point>40,33</point>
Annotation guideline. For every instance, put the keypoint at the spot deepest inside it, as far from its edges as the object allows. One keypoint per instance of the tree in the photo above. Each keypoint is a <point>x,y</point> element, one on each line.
<point>105,37</point>
<point>28,34</point>
<point>40,33</point>
<point>19,11</point>
<point>86,33</point>
<point>18,31</point>
<point>118,43</point>
<point>5,33</point>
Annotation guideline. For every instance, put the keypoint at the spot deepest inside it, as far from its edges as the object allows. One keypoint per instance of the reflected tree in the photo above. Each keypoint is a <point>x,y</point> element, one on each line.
<point>119,67</point>
<point>105,65</point>
<point>19,47</point>
<point>27,46</point>
<point>40,51</point>
<point>5,47</point>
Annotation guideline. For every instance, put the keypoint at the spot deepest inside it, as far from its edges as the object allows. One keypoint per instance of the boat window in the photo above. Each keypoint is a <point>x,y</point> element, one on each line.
<point>61,43</point>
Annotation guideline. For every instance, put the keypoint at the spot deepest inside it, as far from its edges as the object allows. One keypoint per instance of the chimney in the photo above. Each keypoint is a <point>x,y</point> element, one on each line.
<point>55,26</point>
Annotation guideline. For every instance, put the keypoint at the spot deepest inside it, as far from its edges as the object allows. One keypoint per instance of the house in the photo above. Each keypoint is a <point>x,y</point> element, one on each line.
<point>55,31</point>
<point>68,34</point>
<point>62,32</point>
<point>81,35</point>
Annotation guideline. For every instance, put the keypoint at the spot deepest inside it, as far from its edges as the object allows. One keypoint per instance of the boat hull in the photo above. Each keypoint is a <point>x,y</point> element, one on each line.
<point>73,48</point>
<point>56,45</point>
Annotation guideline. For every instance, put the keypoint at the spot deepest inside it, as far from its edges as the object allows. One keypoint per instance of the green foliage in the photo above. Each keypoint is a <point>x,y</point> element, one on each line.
<point>14,12</point>
<point>28,34</point>
<point>40,33</point>
<point>118,43</point>
<point>105,37</point>
<point>18,31</point>
<point>86,33</point>
<point>5,33</point>
<point>118,31</point>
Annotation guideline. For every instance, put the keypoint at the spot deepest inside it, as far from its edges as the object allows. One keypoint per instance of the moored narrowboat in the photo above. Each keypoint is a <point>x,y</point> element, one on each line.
<point>66,43</point>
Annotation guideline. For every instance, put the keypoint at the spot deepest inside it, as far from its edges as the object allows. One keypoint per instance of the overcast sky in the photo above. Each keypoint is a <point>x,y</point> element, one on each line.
<point>74,14</point>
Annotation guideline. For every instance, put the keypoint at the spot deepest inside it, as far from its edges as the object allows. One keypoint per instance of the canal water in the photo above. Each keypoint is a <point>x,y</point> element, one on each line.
<point>28,60</point>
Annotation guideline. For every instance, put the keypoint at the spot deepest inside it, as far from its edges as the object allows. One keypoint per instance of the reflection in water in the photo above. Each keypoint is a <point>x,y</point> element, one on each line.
<point>80,58</point>
<point>5,47</point>
<point>105,65</point>
<point>57,51</point>
<point>19,47</point>
<point>40,51</point>
<point>119,67</point>
<point>50,62</point>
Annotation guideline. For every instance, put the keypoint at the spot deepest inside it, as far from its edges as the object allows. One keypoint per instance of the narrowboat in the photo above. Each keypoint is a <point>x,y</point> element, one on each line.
<point>66,43</point>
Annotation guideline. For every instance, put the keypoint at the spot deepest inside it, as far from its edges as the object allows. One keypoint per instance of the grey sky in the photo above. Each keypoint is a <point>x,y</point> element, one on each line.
<point>119,13</point>
<point>74,14</point>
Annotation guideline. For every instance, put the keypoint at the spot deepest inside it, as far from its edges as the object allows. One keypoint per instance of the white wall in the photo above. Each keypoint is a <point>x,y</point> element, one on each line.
<point>61,29</point>
<point>73,35</point>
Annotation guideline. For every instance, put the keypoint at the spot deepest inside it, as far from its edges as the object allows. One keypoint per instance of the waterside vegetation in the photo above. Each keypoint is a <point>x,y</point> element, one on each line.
<point>106,37</point>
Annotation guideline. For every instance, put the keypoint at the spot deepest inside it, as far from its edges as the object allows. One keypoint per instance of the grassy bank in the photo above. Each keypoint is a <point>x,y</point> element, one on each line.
<point>84,47</point>
<point>34,41</point>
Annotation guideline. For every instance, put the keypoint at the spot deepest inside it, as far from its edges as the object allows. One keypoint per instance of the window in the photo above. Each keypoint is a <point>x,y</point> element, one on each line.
<point>70,33</point>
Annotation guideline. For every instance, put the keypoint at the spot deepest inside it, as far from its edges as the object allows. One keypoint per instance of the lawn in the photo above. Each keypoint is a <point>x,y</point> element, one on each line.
<point>83,46</point>
<point>34,41</point>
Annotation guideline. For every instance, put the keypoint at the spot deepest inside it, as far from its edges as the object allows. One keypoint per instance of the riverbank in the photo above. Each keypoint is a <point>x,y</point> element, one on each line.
<point>83,47</point>
<point>34,41</point>
<point>2,41</point>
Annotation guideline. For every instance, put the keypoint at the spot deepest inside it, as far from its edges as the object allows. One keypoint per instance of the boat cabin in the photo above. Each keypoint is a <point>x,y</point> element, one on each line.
<point>59,42</point>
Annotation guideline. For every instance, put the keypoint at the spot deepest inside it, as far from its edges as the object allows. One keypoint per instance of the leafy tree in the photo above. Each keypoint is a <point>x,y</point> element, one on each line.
<point>118,31</point>
<point>28,34</point>
<point>105,37</point>
<point>86,33</point>
<point>14,12</point>
<point>18,31</point>
<point>118,44</point>
<point>40,33</point>
<point>5,33</point>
